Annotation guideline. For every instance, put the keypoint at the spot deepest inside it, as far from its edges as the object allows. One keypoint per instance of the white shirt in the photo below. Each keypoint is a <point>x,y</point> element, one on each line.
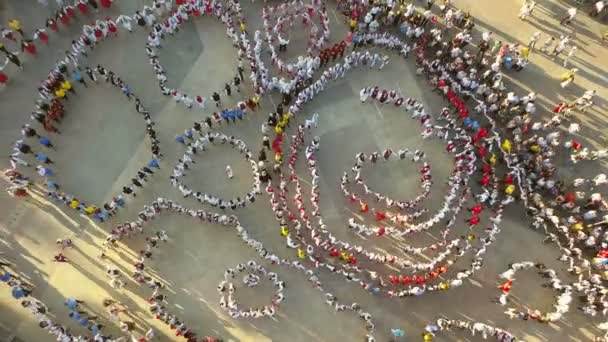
<point>572,12</point>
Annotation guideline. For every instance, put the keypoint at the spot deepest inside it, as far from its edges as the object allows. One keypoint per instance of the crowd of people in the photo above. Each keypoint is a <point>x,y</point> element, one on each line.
<point>15,41</point>
<point>22,291</point>
<point>468,77</point>
<point>157,299</point>
<point>200,143</point>
<point>50,109</point>
<point>474,328</point>
<point>253,272</point>
<point>562,303</point>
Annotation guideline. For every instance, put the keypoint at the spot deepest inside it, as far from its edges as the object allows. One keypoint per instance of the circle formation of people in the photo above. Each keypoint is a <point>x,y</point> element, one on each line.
<point>571,219</point>
<point>199,145</point>
<point>562,303</point>
<point>253,272</point>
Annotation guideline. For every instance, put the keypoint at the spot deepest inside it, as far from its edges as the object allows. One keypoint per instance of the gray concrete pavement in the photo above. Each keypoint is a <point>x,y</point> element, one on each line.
<point>103,142</point>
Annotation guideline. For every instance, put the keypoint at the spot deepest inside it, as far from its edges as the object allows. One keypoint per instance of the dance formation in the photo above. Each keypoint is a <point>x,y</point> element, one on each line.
<point>501,154</point>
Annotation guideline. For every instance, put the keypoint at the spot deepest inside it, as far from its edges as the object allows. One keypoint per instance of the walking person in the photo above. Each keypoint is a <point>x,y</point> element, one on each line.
<point>570,14</point>
<point>597,8</point>
<point>568,77</point>
<point>569,55</point>
<point>533,40</point>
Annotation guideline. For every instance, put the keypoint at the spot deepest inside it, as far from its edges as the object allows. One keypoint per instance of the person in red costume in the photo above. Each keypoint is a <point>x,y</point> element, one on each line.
<point>474,220</point>
<point>485,180</point>
<point>506,287</point>
<point>106,3</point>
<point>476,210</point>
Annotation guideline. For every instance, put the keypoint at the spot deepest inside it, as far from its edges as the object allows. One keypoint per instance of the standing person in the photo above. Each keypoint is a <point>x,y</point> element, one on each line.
<point>597,8</point>
<point>237,83</point>
<point>560,47</point>
<point>571,13</point>
<point>41,35</point>
<point>14,59</point>
<point>568,77</point>
<point>227,89</point>
<point>216,98</point>
<point>547,44</point>
<point>125,21</point>
<point>241,73</point>
<point>15,25</point>
<point>90,73</point>
<point>44,171</point>
<point>77,76</point>
<point>533,40</point>
<point>569,55</point>
<point>44,141</point>
<point>67,86</point>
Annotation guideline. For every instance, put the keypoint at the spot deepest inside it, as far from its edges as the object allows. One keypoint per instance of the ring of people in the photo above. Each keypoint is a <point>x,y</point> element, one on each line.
<point>562,303</point>
<point>431,233</point>
<point>253,272</point>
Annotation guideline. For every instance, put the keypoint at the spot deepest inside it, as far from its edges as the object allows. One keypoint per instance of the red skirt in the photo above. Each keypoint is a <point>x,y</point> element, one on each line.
<point>44,37</point>
<point>30,48</point>
<point>83,8</point>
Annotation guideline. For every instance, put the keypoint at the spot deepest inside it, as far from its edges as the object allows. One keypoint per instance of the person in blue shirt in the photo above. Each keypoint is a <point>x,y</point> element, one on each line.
<point>17,292</point>
<point>180,139</point>
<point>239,114</point>
<point>225,116</point>
<point>77,77</point>
<point>52,186</point>
<point>44,141</point>
<point>95,328</point>
<point>154,163</point>
<point>72,304</point>
<point>43,157</point>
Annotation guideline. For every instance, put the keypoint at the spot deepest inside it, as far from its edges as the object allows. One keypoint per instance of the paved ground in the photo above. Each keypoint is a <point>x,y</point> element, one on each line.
<point>103,141</point>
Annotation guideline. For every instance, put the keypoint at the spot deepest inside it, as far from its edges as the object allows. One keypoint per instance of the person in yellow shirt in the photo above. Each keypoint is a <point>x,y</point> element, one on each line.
<point>278,129</point>
<point>67,86</point>
<point>242,27</point>
<point>492,159</point>
<point>353,24</point>
<point>89,210</point>
<point>15,25</point>
<point>506,145</point>
<point>510,189</point>
<point>74,204</point>
<point>60,93</point>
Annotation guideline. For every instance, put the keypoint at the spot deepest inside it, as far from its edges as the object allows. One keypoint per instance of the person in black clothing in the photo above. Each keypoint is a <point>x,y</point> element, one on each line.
<point>237,83</point>
<point>216,98</point>
<point>14,59</point>
<point>241,71</point>
<point>227,89</point>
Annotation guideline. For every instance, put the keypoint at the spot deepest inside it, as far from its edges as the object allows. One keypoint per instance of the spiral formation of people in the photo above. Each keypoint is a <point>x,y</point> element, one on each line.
<point>304,170</point>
